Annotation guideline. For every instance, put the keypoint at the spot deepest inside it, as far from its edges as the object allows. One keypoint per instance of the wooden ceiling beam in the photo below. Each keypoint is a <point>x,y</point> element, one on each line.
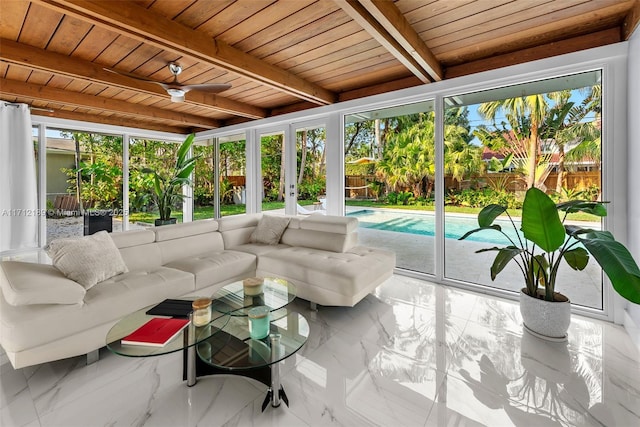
<point>390,17</point>
<point>371,25</point>
<point>115,121</point>
<point>147,26</point>
<point>631,21</point>
<point>32,57</point>
<point>76,99</point>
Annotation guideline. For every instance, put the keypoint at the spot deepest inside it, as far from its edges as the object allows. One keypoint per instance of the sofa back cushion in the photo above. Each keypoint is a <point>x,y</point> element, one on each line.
<point>25,283</point>
<point>236,230</point>
<point>188,239</point>
<point>138,249</point>
<point>325,232</point>
<point>334,242</point>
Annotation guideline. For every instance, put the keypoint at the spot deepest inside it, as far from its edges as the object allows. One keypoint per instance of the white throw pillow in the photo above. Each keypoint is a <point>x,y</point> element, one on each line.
<point>269,229</point>
<point>87,260</point>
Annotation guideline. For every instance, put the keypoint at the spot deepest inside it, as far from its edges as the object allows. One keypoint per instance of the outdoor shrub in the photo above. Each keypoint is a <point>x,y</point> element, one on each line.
<point>481,198</point>
<point>592,192</point>
<point>311,190</point>
<point>139,201</point>
<point>375,188</point>
<point>203,196</point>
<point>405,198</point>
<point>392,198</point>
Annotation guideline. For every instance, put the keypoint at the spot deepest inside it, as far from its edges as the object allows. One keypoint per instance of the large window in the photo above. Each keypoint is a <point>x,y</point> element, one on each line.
<point>389,181</point>
<point>84,172</point>
<point>272,154</point>
<point>147,155</point>
<point>311,170</point>
<point>233,175</point>
<point>500,142</point>
<point>204,180</point>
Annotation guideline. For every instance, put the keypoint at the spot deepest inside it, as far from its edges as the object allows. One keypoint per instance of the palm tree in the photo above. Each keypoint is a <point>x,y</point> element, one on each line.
<point>409,155</point>
<point>532,107</point>
<point>565,127</point>
<point>461,158</point>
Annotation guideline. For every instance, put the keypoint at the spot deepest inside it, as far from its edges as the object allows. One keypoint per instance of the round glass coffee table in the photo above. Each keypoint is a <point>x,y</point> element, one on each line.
<point>191,335</point>
<point>233,299</point>
<point>185,341</point>
<point>229,349</point>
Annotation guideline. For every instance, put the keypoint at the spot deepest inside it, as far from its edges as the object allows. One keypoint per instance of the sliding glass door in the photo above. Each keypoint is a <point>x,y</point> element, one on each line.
<point>389,179</point>
<point>311,169</point>
<point>502,141</point>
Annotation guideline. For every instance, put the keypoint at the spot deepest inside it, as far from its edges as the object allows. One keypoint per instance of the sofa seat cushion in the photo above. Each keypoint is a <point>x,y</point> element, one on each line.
<point>216,267</point>
<point>25,283</point>
<point>345,273</point>
<point>28,326</point>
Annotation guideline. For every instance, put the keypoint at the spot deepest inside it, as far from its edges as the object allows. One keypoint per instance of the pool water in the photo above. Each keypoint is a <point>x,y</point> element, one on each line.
<point>424,224</point>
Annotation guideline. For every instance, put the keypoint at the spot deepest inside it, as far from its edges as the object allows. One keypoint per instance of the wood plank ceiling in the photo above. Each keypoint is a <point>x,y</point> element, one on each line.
<point>278,55</point>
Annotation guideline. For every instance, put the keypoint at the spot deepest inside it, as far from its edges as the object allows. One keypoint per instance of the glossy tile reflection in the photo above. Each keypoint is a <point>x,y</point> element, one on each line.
<point>411,354</point>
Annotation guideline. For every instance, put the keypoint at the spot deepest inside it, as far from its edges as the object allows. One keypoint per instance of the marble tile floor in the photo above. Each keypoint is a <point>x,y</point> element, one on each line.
<point>410,354</point>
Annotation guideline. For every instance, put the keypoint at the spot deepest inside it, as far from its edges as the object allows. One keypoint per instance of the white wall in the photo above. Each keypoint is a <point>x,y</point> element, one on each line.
<point>632,319</point>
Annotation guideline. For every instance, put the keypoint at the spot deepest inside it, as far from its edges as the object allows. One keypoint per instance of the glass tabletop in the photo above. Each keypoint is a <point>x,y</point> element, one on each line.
<point>191,335</point>
<point>230,346</point>
<point>236,299</point>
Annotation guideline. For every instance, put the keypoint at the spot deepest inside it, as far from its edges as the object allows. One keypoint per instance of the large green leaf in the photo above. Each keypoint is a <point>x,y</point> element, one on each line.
<point>593,208</point>
<point>577,258</point>
<point>491,227</point>
<point>505,255</point>
<point>187,168</point>
<point>617,263</point>
<point>540,221</point>
<point>183,150</point>
<point>489,213</point>
<point>540,267</point>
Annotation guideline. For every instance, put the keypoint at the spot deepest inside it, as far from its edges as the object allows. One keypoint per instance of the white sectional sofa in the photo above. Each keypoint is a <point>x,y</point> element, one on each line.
<point>45,316</point>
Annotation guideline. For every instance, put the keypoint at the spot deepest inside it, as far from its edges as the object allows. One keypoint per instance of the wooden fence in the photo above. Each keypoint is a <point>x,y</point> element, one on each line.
<point>357,186</point>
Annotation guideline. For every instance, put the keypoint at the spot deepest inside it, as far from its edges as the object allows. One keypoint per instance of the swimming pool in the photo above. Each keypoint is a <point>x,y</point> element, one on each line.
<point>424,224</point>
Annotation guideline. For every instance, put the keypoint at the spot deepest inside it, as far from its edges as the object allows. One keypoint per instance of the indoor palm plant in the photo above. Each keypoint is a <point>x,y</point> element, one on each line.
<point>167,186</point>
<point>541,246</point>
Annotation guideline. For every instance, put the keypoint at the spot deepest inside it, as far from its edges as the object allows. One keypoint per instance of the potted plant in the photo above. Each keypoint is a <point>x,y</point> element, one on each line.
<point>541,246</point>
<point>167,187</point>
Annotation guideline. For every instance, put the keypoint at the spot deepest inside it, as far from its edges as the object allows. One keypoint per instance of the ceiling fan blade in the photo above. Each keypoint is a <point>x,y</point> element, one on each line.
<point>207,87</point>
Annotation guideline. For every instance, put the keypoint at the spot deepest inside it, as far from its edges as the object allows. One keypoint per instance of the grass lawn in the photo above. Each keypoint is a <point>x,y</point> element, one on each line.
<point>204,212</point>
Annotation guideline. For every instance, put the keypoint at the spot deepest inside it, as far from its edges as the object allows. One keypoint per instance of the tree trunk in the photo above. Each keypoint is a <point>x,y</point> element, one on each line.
<point>376,129</point>
<point>282,159</point>
<point>303,156</point>
<point>533,156</point>
<point>560,179</point>
<point>78,172</point>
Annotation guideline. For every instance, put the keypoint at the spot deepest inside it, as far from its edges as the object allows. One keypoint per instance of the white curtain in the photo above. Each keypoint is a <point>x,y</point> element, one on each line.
<point>18,184</point>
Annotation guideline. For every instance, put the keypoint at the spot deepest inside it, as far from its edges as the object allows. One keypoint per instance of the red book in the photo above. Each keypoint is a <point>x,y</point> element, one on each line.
<point>156,332</point>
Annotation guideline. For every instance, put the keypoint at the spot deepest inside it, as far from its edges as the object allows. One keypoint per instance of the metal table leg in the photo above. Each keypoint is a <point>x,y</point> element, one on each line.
<point>276,392</point>
<point>191,352</point>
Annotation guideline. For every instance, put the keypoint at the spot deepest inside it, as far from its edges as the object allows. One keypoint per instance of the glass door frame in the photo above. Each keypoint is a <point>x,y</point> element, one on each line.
<point>291,173</point>
<point>254,165</point>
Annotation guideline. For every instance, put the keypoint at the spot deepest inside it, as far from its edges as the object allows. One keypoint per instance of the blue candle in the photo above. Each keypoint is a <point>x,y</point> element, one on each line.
<point>259,322</point>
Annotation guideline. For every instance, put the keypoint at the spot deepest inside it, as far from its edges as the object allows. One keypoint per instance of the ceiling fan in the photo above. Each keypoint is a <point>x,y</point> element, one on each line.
<point>176,89</point>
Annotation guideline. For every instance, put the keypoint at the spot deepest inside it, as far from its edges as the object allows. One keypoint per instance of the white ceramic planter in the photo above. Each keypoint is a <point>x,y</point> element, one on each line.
<point>549,320</point>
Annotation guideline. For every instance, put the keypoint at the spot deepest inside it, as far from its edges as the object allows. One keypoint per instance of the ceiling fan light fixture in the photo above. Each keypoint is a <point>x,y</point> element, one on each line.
<point>177,95</point>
